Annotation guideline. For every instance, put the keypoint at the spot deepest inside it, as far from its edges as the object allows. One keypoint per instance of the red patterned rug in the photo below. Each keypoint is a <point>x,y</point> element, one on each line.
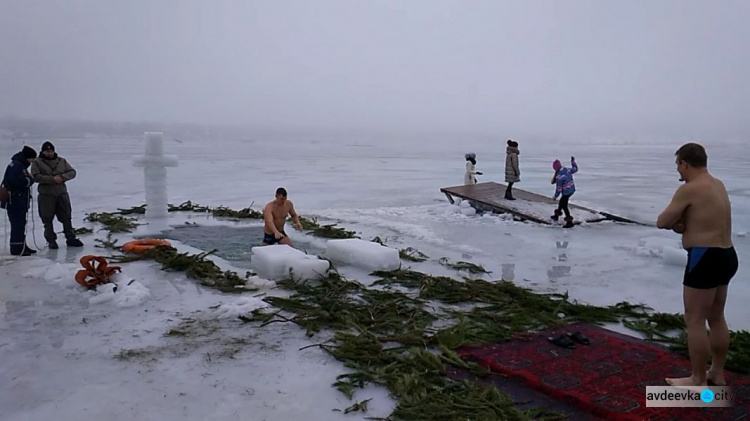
<point>607,378</point>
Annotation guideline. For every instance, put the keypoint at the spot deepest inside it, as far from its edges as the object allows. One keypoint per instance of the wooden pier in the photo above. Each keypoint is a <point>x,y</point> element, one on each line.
<point>491,197</point>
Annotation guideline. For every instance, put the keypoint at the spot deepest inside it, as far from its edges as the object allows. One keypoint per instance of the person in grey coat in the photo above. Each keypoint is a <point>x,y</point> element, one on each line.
<point>512,170</point>
<point>52,172</point>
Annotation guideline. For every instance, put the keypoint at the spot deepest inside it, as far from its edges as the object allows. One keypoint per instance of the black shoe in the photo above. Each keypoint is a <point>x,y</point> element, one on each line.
<point>563,341</point>
<point>579,338</point>
<point>21,253</point>
<point>568,222</point>
<point>509,195</point>
<point>74,243</point>
<point>53,245</point>
<point>30,250</point>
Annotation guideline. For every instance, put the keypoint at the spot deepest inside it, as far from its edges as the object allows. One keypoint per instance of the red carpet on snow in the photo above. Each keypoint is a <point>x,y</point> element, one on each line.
<point>607,378</point>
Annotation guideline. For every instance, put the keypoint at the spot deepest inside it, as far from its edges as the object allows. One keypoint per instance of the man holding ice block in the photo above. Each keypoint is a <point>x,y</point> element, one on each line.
<point>275,214</point>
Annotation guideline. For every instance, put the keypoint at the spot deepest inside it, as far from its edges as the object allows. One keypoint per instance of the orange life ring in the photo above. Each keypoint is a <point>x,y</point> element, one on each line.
<point>139,246</point>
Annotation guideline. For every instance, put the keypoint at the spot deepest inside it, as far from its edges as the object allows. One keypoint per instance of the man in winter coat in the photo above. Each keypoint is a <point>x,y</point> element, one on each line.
<point>52,172</point>
<point>566,186</point>
<point>512,170</point>
<point>18,181</point>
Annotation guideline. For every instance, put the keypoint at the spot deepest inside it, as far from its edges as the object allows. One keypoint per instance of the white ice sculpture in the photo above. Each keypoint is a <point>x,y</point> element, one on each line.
<point>155,164</point>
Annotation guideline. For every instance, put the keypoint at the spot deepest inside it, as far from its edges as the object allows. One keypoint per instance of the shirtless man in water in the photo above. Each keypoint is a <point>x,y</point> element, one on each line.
<point>275,214</point>
<point>701,212</point>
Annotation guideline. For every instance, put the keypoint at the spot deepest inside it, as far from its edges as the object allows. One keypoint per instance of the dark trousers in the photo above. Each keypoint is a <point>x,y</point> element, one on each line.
<point>51,206</point>
<point>563,205</point>
<point>510,186</point>
<point>17,217</point>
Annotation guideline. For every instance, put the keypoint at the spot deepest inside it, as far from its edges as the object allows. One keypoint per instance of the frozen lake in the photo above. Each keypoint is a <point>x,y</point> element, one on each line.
<point>59,347</point>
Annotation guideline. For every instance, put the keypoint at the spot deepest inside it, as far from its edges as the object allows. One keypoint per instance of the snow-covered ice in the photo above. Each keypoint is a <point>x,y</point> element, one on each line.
<point>244,306</point>
<point>123,294</point>
<point>468,211</point>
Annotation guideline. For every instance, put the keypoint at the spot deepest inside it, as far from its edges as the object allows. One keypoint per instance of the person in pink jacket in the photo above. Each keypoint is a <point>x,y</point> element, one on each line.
<point>565,187</point>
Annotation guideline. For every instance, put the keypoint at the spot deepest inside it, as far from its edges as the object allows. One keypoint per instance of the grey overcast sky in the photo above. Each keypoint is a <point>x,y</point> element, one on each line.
<point>512,66</point>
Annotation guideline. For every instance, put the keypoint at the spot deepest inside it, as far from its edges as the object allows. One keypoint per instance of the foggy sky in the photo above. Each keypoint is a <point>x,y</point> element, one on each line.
<point>506,67</point>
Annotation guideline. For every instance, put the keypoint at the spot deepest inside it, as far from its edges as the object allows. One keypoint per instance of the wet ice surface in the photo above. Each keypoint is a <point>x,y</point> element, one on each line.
<point>68,354</point>
<point>543,211</point>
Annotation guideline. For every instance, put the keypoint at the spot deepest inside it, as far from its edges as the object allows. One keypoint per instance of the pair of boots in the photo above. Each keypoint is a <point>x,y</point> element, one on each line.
<point>509,195</point>
<point>51,236</point>
<point>568,219</point>
<point>73,242</point>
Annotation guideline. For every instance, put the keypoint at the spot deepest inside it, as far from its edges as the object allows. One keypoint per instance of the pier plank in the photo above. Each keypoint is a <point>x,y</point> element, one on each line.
<point>491,196</point>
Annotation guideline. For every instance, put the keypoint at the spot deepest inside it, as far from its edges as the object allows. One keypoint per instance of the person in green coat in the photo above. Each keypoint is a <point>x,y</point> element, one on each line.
<point>52,172</point>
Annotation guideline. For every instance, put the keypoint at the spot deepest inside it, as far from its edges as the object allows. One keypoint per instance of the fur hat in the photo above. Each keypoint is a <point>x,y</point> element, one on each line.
<point>47,145</point>
<point>28,153</point>
<point>557,165</point>
<point>471,156</point>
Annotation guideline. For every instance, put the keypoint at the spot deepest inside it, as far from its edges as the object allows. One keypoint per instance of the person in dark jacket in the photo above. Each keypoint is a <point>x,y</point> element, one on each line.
<point>18,181</point>
<point>512,170</point>
<point>52,172</point>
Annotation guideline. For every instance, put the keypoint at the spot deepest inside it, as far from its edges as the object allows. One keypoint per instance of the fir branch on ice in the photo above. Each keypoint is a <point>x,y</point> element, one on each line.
<point>462,266</point>
<point>112,221</point>
<point>412,254</point>
<point>403,340</point>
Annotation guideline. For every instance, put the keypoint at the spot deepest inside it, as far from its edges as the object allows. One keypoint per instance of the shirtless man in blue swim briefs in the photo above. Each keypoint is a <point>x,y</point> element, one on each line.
<point>275,214</point>
<point>701,212</point>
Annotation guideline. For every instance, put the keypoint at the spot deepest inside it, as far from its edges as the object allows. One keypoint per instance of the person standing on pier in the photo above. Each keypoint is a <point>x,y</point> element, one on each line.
<point>512,170</point>
<point>471,172</point>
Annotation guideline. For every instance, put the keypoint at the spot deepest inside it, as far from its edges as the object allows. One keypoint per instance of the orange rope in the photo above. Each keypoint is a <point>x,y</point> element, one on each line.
<point>95,271</point>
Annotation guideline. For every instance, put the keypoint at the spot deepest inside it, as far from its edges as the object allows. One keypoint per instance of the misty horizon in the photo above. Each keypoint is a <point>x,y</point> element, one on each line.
<point>670,68</point>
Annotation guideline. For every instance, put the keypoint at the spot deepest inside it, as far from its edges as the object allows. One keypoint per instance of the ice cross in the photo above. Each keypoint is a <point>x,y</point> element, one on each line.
<point>155,164</point>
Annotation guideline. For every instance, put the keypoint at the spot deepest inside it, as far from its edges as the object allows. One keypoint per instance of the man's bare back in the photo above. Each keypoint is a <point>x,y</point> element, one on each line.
<point>704,209</point>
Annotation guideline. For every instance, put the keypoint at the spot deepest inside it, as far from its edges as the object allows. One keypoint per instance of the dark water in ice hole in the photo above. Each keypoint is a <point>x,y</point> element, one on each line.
<point>232,243</point>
